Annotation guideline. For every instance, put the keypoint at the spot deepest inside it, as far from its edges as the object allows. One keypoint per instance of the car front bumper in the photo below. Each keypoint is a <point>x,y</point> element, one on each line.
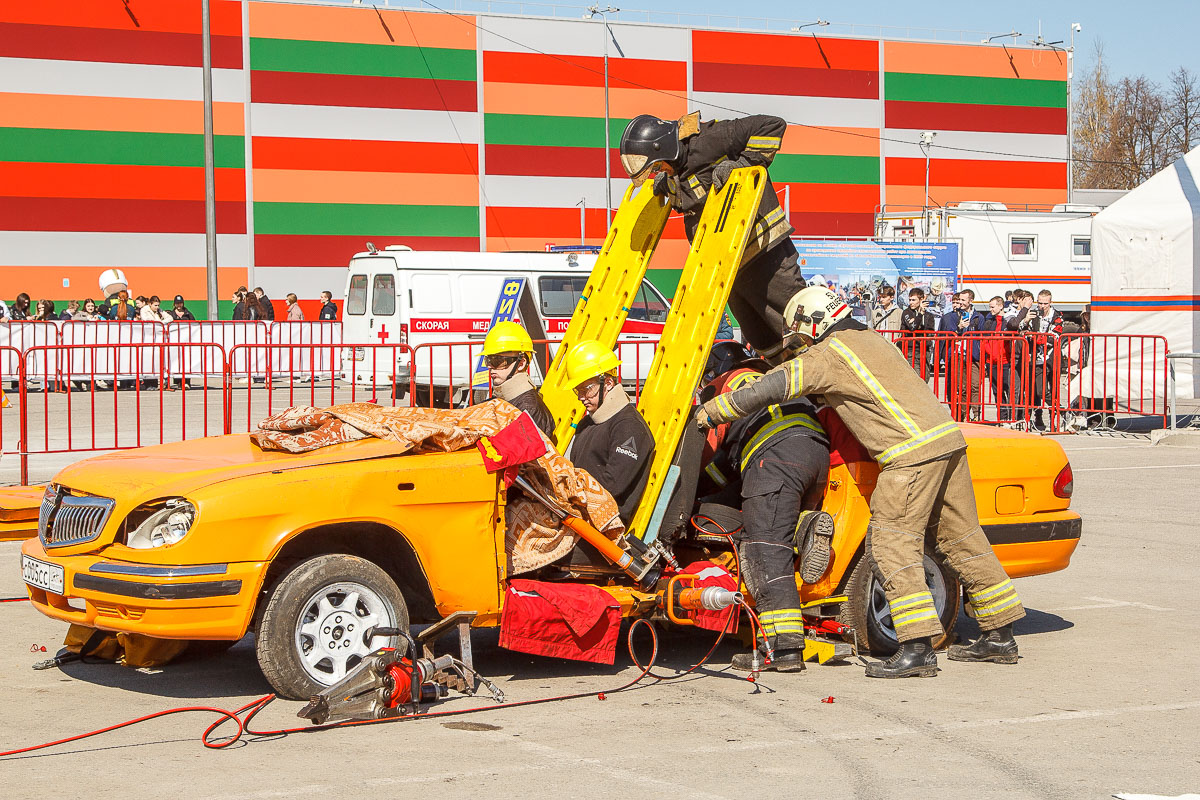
<point>206,601</point>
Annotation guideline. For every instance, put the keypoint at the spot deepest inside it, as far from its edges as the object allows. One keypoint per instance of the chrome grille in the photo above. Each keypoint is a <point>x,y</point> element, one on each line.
<point>65,519</point>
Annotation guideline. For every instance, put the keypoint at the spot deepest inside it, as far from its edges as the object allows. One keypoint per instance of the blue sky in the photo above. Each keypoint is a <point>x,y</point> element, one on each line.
<point>1151,38</point>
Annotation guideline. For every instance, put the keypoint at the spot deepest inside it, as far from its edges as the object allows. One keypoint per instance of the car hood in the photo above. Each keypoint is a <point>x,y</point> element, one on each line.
<point>176,469</point>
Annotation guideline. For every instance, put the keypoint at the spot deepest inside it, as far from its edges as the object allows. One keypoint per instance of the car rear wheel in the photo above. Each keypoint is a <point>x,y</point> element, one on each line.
<point>314,628</point>
<point>867,609</point>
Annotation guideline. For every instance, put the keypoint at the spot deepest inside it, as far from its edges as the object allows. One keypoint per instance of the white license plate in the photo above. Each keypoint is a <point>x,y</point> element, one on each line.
<point>42,575</point>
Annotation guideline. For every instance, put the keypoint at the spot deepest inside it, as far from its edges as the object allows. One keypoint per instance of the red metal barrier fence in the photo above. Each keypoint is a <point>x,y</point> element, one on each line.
<point>172,389</point>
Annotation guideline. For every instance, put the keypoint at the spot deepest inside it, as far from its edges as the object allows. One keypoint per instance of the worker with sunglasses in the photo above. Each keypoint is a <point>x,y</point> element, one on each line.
<point>507,353</point>
<point>612,442</point>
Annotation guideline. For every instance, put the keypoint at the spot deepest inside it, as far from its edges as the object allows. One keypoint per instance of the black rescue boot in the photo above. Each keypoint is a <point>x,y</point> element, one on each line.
<point>915,658</point>
<point>813,543</point>
<point>997,646</point>
<point>784,661</point>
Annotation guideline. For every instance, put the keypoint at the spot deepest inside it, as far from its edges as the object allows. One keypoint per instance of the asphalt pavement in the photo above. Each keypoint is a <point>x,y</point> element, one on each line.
<point>1104,700</point>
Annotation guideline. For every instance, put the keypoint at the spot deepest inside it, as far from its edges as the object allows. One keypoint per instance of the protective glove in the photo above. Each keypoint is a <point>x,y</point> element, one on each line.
<point>722,171</point>
<point>709,415</point>
<point>662,186</point>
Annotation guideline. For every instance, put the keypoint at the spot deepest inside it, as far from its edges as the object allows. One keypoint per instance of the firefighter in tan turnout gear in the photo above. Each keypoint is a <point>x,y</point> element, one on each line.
<point>924,483</point>
<point>692,158</point>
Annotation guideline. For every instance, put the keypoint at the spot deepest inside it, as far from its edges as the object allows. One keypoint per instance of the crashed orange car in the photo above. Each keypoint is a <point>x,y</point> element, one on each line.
<point>213,538</point>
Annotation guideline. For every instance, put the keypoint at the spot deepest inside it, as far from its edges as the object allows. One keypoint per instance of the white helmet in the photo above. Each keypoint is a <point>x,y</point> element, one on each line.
<point>111,276</point>
<point>813,311</point>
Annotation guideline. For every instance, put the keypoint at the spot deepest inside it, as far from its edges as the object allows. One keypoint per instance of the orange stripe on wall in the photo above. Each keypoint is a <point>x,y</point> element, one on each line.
<point>990,61</point>
<point>831,196</point>
<point>75,112</point>
<point>578,101</point>
<point>361,26</point>
<point>384,188</point>
<point>901,195</point>
<point>802,140</point>
<point>166,282</point>
<point>118,182</point>
<point>158,15</point>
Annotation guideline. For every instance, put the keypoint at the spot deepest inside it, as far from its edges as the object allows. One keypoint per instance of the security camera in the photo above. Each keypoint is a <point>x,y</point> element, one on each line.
<point>927,137</point>
<point>1075,26</point>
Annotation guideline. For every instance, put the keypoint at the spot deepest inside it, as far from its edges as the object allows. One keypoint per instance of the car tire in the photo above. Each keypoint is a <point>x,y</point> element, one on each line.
<point>866,608</point>
<point>312,631</point>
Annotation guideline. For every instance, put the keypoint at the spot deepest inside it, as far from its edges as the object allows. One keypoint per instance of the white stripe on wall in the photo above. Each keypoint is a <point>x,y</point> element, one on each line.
<point>83,249</point>
<point>379,124</point>
<point>835,112</point>
<point>1015,145</point>
<point>99,79</point>
<point>583,38</point>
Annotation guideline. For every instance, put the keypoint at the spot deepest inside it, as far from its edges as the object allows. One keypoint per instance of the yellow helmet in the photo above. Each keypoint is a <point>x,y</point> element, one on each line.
<point>589,359</point>
<point>507,337</point>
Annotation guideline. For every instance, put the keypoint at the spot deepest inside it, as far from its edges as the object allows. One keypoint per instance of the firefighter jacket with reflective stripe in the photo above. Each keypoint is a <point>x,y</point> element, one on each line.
<point>749,435</point>
<point>754,140</point>
<point>870,385</point>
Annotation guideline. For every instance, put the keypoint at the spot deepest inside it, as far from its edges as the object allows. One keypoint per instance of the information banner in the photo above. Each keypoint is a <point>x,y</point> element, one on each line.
<point>857,268</point>
<point>506,310</point>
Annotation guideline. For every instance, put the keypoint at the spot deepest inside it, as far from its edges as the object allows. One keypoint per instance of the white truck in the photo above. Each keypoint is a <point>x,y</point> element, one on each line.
<point>440,304</point>
<point>1004,248</point>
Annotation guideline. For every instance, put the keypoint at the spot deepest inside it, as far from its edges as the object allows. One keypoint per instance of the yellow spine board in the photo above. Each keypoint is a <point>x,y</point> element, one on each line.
<point>687,337</point>
<point>600,314</point>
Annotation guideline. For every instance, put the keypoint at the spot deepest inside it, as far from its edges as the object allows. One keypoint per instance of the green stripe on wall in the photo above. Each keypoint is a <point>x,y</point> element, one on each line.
<point>117,147</point>
<point>981,91</point>
<point>824,169</point>
<point>337,58</point>
<point>665,280</point>
<point>345,219</point>
<point>528,129</point>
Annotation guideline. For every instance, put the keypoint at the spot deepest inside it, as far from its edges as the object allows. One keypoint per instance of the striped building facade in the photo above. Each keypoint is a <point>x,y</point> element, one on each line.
<point>339,125</point>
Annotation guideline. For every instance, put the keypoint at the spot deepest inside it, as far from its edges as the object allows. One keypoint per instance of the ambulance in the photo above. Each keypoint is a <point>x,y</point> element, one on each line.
<point>440,305</point>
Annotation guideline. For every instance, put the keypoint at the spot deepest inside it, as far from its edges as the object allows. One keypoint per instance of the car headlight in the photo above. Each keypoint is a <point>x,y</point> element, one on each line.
<point>164,526</point>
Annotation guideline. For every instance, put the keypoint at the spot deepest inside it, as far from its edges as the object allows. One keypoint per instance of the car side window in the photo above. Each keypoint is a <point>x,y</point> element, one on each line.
<point>356,298</point>
<point>648,304</point>
<point>560,294</point>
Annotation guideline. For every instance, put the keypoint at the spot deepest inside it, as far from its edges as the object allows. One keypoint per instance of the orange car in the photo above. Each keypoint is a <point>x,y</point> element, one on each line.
<point>212,538</point>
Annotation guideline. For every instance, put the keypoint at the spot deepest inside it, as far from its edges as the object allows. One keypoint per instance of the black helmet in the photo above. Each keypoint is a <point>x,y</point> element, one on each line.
<point>646,141</point>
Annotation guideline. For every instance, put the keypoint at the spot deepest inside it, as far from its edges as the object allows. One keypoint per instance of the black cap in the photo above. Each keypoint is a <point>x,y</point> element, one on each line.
<point>178,298</point>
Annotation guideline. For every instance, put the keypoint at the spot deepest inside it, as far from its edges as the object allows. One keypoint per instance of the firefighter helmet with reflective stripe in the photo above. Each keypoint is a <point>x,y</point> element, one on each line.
<point>507,337</point>
<point>647,141</point>
<point>813,311</point>
<point>589,359</point>
<point>111,277</point>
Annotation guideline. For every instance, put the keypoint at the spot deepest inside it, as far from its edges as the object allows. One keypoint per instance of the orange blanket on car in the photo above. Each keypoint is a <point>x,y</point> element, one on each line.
<point>533,537</point>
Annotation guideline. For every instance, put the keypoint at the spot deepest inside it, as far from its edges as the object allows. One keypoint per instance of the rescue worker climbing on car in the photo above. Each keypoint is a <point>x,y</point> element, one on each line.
<point>924,482</point>
<point>507,353</point>
<point>613,442</point>
<point>692,158</point>
<point>777,460</point>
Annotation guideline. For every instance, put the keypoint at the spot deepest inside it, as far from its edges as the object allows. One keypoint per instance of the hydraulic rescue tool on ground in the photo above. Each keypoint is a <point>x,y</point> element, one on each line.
<point>388,683</point>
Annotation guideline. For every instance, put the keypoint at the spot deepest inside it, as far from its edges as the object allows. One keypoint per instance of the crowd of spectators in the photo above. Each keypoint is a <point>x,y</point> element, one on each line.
<point>121,306</point>
<point>1019,362</point>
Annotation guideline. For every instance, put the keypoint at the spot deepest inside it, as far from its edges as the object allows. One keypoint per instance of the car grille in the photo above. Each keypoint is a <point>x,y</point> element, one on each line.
<point>66,519</point>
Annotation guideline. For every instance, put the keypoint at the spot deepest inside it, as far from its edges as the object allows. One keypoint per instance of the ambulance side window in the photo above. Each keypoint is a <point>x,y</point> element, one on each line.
<point>432,294</point>
<point>648,305</point>
<point>560,294</point>
<point>356,298</point>
<point>383,296</point>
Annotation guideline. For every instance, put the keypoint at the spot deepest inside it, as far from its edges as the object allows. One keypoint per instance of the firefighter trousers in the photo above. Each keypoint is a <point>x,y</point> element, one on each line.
<point>783,478</point>
<point>935,498</point>
<point>761,291</point>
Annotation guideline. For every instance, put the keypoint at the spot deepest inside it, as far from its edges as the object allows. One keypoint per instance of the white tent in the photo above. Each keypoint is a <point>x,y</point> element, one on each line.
<point>1146,290</point>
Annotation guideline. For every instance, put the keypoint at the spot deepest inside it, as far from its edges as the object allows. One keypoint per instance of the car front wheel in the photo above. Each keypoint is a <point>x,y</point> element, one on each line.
<point>315,627</point>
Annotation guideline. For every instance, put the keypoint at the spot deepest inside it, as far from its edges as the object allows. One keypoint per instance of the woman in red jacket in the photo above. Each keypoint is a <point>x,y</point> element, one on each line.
<point>995,357</point>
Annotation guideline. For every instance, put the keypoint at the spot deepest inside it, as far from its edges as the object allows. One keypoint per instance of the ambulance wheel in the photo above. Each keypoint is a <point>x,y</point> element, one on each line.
<point>313,630</point>
<point>868,613</point>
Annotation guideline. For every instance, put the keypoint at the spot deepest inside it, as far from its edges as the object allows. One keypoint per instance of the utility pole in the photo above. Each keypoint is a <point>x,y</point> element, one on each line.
<point>210,181</point>
<point>1075,28</point>
<point>592,12</point>
<point>925,143</point>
